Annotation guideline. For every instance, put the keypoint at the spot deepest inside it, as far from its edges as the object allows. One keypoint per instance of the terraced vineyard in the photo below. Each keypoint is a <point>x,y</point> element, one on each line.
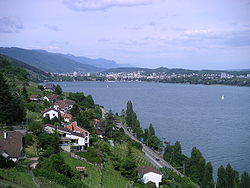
<point>120,150</point>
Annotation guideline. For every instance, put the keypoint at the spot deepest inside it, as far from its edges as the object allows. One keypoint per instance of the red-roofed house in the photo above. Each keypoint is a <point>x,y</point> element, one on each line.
<point>74,128</point>
<point>69,140</point>
<point>35,98</point>
<point>150,174</point>
<point>66,117</point>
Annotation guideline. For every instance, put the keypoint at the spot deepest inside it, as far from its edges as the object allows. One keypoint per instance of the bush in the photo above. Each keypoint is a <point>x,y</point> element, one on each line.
<point>54,168</point>
<point>34,107</point>
<point>28,140</point>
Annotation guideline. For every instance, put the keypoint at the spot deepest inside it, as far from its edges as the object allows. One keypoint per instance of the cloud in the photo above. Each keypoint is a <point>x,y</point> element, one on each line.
<point>52,27</point>
<point>10,25</point>
<point>53,48</point>
<point>95,5</point>
<point>103,40</point>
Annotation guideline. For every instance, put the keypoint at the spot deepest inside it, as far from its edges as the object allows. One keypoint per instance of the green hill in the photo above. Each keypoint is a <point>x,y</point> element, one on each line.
<point>21,70</point>
<point>48,62</point>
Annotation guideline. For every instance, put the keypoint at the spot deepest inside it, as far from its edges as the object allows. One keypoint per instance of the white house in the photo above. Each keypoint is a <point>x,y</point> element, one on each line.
<point>51,113</point>
<point>149,174</point>
<point>51,98</point>
<point>64,105</point>
<point>69,140</point>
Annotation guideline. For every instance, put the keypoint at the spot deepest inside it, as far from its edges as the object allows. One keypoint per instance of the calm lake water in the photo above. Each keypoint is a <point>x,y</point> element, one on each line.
<point>193,114</point>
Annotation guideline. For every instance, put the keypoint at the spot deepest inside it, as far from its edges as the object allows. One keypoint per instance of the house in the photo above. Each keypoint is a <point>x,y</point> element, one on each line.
<point>73,127</point>
<point>66,117</point>
<point>149,174</point>
<point>35,98</point>
<point>11,145</point>
<point>33,162</point>
<point>49,87</point>
<point>52,113</point>
<point>64,105</point>
<point>80,168</point>
<point>51,98</point>
<point>69,140</point>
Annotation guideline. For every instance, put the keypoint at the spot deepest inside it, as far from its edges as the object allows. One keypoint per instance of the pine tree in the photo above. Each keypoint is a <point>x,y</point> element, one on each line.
<point>6,100</point>
<point>232,177</point>
<point>208,181</point>
<point>151,130</point>
<point>221,181</point>
<point>24,93</point>
<point>197,165</point>
<point>245,180</point>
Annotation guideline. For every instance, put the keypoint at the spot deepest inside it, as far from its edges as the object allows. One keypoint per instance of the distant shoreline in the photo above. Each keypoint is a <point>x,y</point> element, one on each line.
<point>124,81</point>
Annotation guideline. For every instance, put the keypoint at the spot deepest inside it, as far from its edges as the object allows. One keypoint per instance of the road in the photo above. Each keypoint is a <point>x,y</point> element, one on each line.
<point>154,158</point>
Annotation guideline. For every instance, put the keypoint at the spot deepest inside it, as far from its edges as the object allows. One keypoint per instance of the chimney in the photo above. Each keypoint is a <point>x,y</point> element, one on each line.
<point>5,135</point>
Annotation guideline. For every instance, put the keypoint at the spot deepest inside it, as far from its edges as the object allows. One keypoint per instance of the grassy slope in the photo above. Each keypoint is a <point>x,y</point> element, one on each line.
<point>111,178</point>
<point>18,176</point>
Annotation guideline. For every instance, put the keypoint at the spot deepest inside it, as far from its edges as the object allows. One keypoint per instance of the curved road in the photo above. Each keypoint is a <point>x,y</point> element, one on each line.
<point>151,155</point>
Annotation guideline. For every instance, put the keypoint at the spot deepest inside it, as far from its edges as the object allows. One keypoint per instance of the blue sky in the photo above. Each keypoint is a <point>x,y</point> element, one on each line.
<point>194,34</point>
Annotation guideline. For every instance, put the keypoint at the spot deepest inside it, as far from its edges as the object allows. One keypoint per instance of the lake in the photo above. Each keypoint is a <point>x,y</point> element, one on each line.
<point>196,115</point>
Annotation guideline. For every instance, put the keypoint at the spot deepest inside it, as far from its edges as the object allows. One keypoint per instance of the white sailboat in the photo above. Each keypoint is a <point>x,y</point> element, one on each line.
<point>107,86</point>
<point>222,97</point>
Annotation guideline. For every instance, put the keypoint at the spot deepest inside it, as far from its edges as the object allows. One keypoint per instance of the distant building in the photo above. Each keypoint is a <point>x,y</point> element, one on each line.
<point>66,117</point>
<point>35,98</point>
<point>52,113</point>
<point>248,75</point>
<point>223,75</point>
<point>11,145</point>
<point>64,105</point>
<point>49,87</point>
<point>70,140</point>
<point>149,174</point>
<point>75,74</point>
<point>51,98</point>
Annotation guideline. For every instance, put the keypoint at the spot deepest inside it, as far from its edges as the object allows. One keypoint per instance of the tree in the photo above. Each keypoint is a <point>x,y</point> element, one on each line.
<point>207,181</point>
<point>109,124</point>
<point>58,90</point>
<point>245,180</point>
<point>196,166</point>
<point>232,177</point>
<point>84,119</point>
<point>11,106</point>
<point>24,93</point>
<point>151,130</point>
<point>40,87</point>
<point>75,110</point>
<point>221,181</point>
<point>5,102</point>
<point>228,177</point>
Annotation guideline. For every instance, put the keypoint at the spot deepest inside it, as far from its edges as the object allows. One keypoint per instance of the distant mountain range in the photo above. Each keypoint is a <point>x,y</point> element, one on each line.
<point>176,71</point>
<point>56,62</point>
<point>68,63</point>
<point>101,63</point>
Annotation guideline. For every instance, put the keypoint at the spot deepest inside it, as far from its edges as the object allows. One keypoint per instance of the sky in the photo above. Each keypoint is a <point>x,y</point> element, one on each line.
<point>193,34</point>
